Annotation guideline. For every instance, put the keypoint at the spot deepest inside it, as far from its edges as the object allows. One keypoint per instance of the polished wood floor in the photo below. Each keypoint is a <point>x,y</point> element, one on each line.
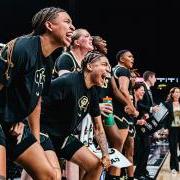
<point>165,172</point>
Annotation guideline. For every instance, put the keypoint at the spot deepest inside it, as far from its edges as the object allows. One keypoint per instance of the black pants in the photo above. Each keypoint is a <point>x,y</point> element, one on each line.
<point>142,150</point>
<point>174,138</point>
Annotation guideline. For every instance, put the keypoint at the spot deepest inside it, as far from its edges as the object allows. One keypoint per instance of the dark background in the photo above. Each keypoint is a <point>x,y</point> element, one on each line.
<point>148,28</point>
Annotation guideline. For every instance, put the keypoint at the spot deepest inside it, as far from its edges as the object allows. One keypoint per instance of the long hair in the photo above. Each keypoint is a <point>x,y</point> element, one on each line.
<point>171,92</point>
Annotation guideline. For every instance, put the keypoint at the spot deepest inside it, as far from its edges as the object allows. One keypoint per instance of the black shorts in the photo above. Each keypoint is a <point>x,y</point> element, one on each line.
<point>121,122</point>
<point>63,147</point>
<point>2,139</point>
<point>46,142</point>
<point>15,146</point>
<point>132,130</point>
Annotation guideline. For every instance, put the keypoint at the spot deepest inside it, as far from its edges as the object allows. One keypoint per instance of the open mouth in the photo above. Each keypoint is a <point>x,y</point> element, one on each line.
<point>105,76</point>
<point>69,36</point>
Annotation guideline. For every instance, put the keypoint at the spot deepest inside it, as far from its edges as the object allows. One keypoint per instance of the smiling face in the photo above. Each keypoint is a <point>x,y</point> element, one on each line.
<point>61,29</point>
<point>139,93</point>
<point>176,94</point>
<point>99,70</point>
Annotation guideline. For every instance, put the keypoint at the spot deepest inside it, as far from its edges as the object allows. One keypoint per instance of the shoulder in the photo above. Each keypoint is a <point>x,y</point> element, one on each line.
<point>64,61</point>
<point>26,46</point>
<point>26,43</point>
<point>121,71</point>
<point>67,79</point>
<point>64,56</point>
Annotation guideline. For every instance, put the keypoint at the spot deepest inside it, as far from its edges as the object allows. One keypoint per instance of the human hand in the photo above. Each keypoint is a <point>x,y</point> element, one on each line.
<point>146,116</point>
<point>141,122</point>
<point>131,111</point>
<point>105,161</point>
<point>17,129</point>
<point>106,108</point>
<point>156,108</point>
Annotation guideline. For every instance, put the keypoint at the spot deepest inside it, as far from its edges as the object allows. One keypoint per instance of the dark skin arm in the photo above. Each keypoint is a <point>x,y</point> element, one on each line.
<point>123,97</point>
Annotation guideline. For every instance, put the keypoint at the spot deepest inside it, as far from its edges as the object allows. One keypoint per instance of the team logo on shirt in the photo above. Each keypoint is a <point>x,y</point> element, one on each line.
<point>40,79</point>
<point>83,103</point>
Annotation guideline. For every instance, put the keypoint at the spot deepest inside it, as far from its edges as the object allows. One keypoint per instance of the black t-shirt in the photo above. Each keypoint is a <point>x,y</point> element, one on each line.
<point>67,104</point>
<point>105,90</point>
<point>118,107</point>
<point>67,61</point>
<point>30,79</point>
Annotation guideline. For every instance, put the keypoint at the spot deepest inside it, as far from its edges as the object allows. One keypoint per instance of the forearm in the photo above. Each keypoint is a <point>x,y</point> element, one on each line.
<point>120,95</point>
<point>100,135</point>
<point>117,93</point>
<point>34,120</point>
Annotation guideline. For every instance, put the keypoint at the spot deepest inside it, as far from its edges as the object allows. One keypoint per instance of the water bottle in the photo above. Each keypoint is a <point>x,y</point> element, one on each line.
<point>109,120</point>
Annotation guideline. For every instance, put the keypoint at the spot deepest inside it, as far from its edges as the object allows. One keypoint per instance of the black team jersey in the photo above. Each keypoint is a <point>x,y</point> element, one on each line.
<point>29,80</point>
<point>67,104</point>
<point>118,107</point>
<point>67,61</point>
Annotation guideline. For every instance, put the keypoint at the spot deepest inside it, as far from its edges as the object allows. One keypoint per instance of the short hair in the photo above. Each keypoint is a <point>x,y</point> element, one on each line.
<point>121,53</point>
<point>137,85</point>
<point>44,15</point>
<point>147,74</point>
<point>90,57</point>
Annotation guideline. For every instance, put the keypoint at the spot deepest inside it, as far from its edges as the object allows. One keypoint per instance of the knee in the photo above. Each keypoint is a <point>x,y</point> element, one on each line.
<point>95,165</point>
<point>50,175</point>
<point>58,173</point>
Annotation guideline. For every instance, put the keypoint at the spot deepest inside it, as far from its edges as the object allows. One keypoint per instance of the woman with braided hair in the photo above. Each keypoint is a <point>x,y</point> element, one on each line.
<point>71,97</point>
<point>70,61</point>
<point>20,98</point>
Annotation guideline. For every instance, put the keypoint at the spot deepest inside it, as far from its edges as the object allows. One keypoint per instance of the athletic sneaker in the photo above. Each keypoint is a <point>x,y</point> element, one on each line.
<point>173,171</point>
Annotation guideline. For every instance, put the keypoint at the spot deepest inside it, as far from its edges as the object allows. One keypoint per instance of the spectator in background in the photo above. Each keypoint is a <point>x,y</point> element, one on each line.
<point>145,106</point>
<point>172,123</point>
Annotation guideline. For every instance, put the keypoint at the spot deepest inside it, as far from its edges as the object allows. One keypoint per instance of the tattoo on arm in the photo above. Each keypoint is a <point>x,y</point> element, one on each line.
<point>100,135</point>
